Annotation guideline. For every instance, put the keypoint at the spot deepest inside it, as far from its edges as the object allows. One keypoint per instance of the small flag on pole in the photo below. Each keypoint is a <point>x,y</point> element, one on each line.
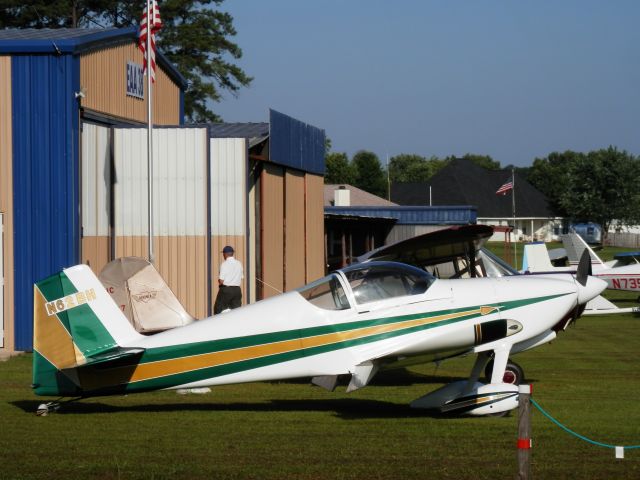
<point>505,188</point>
<point>156,24</point>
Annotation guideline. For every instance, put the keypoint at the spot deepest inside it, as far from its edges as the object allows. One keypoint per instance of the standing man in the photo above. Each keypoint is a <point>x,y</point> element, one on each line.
<point>229,280</point>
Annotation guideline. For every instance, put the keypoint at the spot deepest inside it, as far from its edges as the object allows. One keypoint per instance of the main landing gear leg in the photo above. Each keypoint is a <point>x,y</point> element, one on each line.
<point>478,366</point>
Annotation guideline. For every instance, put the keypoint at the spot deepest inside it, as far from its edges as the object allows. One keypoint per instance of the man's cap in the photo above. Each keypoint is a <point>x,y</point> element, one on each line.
<point>227,249</point>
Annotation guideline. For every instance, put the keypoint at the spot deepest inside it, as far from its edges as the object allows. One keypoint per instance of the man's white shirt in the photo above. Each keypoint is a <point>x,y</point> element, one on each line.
<point>231,272</point>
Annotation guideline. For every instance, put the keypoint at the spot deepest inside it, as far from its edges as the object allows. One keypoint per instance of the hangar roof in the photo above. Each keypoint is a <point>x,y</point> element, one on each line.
<point>238,130</point>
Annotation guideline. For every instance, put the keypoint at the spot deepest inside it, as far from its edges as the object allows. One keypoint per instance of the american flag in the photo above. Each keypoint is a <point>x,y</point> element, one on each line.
<point>156,24</point>
<point>505,188</point>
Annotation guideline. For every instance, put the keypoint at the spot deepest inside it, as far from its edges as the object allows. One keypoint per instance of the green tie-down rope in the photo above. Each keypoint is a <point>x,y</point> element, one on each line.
<point>581,437</point>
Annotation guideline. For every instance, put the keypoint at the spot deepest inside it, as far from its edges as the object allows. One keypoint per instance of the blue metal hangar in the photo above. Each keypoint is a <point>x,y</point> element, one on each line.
<point>73,170</point>
<point>51,83</point>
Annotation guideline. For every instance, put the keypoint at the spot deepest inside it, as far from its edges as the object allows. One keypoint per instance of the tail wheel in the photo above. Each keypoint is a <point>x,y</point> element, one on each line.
<point>513,374</point>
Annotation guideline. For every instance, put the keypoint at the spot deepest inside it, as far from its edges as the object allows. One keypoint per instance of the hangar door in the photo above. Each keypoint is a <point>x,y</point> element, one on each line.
<point>96,195</point>
<point>114,204</point>
<point>179,207</point>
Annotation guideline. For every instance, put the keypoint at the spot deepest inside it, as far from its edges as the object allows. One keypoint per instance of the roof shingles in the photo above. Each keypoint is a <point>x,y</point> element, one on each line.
<point>462,182</point>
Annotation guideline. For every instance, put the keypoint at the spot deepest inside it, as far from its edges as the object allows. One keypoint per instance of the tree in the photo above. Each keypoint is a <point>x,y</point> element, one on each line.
<point>369,175</point>
<point>484,161</point>
<point>338,169</point>
<point>600,186</point>
<point>405,168</point>
<point>549,175</point>
<point>194,37</point>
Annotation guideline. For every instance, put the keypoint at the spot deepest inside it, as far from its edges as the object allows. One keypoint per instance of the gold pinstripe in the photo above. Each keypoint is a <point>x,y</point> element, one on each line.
<point>174,366</point>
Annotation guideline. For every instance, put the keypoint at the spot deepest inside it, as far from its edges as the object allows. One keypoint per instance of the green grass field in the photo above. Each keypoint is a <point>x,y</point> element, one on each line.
<point>588,378</point>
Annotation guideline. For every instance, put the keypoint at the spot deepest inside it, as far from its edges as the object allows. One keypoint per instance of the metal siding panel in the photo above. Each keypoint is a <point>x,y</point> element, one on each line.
<point>103,76</point>
<point>295,144</point>
<point>6,197</point>
<point>130,183</point>
<point>228,186</point>
<point>272,221</point>
<point>438,215</point>
<point>295,265</point>
<point>96,179</point>
<point>179,181</point>
<point>45,176</point>
<point>314,217</point>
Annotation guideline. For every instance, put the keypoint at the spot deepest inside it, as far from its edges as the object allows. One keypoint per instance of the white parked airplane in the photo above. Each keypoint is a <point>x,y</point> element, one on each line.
<point>354,321</point>
<point>617,274</point>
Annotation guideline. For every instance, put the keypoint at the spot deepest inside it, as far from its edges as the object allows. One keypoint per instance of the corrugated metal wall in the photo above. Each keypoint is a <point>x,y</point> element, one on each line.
<point>45,176</point>
<point>314,185</point>
<point>6,196</point>
<point>296,144</point>
<point>294,241</point>
<point>228,204</point>
<point>96,195</point>
<point>272,230</point>
<point>103,77</point>
<point>180,207</point>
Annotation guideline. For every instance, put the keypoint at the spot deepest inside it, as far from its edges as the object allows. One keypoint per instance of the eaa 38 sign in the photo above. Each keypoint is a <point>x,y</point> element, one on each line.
<point>135,80</point>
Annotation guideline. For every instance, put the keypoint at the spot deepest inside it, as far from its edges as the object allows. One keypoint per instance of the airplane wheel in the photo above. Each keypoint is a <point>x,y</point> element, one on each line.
<point>513,374</point>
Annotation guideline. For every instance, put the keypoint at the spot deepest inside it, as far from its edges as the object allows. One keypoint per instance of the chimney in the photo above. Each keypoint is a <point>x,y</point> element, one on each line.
<point>342,197</point>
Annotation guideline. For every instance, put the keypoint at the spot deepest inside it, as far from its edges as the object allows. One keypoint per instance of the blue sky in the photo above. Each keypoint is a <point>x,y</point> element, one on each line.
<point>511,79</point>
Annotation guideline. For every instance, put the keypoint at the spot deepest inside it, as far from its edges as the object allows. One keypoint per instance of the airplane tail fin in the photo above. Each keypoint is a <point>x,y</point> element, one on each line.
<point>575,245</point>
<point>75,323</point>
<point>536,258</point>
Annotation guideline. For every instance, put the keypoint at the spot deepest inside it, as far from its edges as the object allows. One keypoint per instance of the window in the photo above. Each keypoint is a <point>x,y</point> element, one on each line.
<point>378,281</point>
<point>326,293</point>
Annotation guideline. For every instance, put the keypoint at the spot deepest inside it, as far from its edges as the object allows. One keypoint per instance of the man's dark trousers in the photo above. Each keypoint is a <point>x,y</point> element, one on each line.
<point>228,297</point>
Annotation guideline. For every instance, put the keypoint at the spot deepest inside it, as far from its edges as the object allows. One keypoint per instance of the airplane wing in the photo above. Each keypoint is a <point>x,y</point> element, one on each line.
<point>602,306</point>
<point>434,247</point>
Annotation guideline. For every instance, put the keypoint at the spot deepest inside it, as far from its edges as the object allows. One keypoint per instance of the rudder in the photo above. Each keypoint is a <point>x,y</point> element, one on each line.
<point>74,320</point>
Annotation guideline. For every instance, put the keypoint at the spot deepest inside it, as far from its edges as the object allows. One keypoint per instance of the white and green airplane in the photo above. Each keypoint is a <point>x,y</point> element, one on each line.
<point>354,322</point>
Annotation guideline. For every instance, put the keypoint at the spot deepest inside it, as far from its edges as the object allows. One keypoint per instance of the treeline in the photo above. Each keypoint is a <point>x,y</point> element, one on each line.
<point>365,171</point>
<point>599,186</point>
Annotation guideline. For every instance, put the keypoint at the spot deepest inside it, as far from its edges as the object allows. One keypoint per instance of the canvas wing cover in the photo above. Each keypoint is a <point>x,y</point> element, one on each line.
<point>143,296</point>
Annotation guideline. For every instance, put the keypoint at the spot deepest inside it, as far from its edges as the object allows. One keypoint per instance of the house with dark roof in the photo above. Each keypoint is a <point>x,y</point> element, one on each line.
<point>462,182</point>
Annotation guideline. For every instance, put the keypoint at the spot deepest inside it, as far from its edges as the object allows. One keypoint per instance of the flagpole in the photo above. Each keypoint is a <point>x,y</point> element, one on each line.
<point>513,211</point>
<point>149,135</point>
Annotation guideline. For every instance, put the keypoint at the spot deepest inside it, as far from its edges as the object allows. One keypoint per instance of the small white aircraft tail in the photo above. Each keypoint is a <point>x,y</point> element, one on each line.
<point>575,245</point>
<point>536,258</point>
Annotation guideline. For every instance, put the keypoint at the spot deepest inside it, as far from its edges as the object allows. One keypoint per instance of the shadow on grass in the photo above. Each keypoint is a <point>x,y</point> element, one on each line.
<point>398,377</point>
<point>344,408</point>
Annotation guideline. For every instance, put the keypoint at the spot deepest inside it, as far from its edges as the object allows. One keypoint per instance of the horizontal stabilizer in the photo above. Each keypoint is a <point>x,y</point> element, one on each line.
<point>602,306</point>
<point>112,355</point>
